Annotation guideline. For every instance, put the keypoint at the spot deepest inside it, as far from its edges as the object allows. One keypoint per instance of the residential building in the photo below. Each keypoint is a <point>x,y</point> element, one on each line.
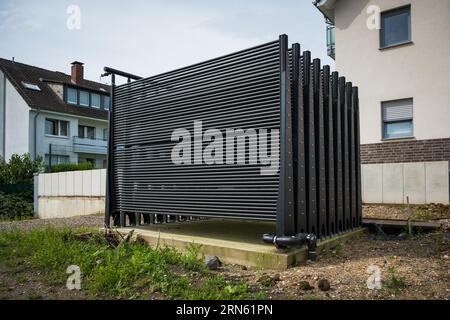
<point>52,114</point>
<point>398,53</point>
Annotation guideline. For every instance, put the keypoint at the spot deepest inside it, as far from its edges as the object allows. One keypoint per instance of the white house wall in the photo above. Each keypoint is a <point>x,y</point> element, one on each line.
<point>2,114</point>
<point>420,70</point>
<point>16,122</point>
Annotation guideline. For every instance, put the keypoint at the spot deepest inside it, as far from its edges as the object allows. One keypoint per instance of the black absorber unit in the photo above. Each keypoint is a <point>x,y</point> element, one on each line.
<point>265,133</point>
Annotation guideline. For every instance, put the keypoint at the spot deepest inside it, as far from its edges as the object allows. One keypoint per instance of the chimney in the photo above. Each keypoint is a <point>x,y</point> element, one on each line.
<point>77,72</point>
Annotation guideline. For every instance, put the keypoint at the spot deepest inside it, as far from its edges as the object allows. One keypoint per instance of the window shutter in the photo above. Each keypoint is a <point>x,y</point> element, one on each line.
<point>398,110</point>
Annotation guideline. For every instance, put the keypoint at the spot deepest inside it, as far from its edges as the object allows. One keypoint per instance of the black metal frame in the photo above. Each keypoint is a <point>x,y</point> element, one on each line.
<point>110,196</point>
<point>285,204</point>
<point>317,190</point>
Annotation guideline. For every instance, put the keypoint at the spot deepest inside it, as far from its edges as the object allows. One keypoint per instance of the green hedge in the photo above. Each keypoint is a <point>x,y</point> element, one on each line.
<point>22,190</point>
<point>85,165</point>
<point>13,206</point>
<point>19,169</point>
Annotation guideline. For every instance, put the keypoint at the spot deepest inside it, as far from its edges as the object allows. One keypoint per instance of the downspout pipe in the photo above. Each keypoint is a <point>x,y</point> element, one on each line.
<point>283,242</point>
<point>38,110</point>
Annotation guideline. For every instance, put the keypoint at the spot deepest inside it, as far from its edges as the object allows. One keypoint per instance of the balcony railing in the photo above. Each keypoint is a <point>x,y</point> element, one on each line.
<point>331,41</point>
<point>87,145</point>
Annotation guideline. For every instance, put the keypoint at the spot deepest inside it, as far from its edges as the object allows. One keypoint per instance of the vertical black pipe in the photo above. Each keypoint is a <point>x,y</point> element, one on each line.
<point>345,155</point>
<point>358,157</point>
<point>337,129</point>
<point>285,201</point>
<point>109,198</point>
<point>50,157</point>
<point>298,141</point>
<point>352,154</point>
<point>320,150</point>
<point>329,151</point>
<point>310,152</point>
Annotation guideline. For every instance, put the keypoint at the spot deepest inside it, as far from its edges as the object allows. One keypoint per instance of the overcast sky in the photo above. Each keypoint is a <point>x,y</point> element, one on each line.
<point>153,36</point>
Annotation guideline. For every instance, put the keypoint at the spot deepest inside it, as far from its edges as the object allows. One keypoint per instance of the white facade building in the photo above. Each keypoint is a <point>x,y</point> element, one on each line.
<point>52,114</point>
<point>398,53</point>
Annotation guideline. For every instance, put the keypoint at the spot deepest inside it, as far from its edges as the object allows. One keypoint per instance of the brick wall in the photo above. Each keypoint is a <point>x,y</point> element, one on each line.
<point>406,151</point>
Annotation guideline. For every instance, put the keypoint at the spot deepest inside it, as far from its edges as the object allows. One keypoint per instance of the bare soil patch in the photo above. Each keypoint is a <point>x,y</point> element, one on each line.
<point>420,266</point>
<point>20,284</point>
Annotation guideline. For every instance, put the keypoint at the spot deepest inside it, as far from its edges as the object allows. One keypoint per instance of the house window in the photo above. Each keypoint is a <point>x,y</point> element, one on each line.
<point>397,118</point>
<point>86,132</point>
<point>95,100</point>
<point>72,96</point>
<point>51,127</point>
<point>56,127</point>
<point>31,86</point>
<point>107,102</point>
<point>105,134</point>
<point>395,27</point>
<point>84,98</point>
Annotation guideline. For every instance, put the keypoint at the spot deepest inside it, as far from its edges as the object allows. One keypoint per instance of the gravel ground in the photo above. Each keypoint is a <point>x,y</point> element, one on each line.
<point>81,221</point>
<point>420,212</point>
<point>424,272</point>
<point>402,212</point>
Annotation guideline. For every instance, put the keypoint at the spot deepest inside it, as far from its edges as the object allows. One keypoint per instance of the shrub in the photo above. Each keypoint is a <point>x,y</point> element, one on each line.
<point>14,206</point>
<point>62,167</point>
<point>19,169</point>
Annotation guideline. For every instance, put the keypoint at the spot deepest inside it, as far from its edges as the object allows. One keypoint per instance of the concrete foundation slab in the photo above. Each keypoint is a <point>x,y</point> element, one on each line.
<point>233,241</point>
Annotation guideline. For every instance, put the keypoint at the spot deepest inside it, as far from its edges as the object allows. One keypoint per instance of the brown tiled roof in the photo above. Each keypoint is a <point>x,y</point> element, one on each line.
<point>47,99</point>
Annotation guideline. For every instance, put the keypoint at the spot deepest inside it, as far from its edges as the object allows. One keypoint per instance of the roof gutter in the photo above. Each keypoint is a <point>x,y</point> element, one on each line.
<point>69,115</point>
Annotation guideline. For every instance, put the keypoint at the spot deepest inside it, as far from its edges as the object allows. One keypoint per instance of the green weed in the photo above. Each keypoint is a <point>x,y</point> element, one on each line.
<point>131,270</point>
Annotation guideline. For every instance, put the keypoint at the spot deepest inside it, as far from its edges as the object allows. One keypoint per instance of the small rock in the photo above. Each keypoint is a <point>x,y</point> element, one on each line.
<point>324,285</point>
<point>304,285</point>
<point>243,268</point>
<point>266,280</point>
<point>212,262</point>
<point>402,236</point>
<point>446,257</point>
<point>140,239</point>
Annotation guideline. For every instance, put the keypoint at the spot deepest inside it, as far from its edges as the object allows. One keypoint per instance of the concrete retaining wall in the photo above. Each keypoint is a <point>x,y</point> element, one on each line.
<point>77,193</point>
<point>67,194</point>
<point>422,182</point>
